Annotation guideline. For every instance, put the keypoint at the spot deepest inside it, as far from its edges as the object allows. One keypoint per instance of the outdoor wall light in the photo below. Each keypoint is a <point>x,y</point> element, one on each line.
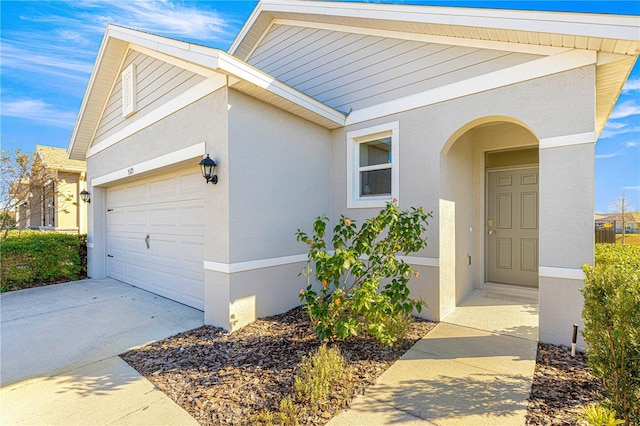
<point>208,167</point>
<point>85,196</point>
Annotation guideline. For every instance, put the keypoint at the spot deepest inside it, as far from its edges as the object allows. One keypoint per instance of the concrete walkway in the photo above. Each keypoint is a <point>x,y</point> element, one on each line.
<point>458,375</point>
<point>59,347</point>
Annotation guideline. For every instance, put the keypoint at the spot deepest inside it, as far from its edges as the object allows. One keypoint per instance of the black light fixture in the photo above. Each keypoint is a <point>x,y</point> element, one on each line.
<point>85,196</point>
<point>208,167</point>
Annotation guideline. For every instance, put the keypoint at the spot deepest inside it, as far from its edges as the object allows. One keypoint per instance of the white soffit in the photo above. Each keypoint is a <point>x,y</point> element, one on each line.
<point>608,33</point>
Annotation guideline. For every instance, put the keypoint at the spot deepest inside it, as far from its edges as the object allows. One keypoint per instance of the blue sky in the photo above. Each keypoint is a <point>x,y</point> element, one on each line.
<point>48,50</point>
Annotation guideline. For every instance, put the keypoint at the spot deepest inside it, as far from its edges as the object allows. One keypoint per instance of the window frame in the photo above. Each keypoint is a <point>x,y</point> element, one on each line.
<point>354,140</point>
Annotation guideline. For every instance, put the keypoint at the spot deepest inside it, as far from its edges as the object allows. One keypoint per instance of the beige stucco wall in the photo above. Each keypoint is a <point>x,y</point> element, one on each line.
<point>553,106</point>
<point>279,178</point>
<point>202,121</point>
<point>278,181</point>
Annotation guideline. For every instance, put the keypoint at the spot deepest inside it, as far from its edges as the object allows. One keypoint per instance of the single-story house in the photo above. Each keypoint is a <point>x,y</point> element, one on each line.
<point>488,118</point>
<point>632,221</point>
<point>53,202</point>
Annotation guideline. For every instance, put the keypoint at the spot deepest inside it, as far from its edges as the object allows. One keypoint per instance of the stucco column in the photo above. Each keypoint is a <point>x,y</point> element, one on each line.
<point>566,236</point>
<point>96,233</point>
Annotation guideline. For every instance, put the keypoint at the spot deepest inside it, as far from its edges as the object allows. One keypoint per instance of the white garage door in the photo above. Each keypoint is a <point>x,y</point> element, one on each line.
<point>155,235</point>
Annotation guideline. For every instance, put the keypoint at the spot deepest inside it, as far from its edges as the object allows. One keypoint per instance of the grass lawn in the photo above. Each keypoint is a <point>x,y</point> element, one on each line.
<point>632,239</point>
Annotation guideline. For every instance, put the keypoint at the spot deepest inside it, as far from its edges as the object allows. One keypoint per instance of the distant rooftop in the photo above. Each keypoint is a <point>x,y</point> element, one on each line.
<point>56,159</point>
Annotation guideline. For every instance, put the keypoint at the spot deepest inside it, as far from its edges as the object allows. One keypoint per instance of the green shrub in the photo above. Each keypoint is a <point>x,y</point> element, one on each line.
<point>364,286</point>
<point>598,415</point>
<point>612,326</point>
<point>39,257</point>
<point>321,374</point>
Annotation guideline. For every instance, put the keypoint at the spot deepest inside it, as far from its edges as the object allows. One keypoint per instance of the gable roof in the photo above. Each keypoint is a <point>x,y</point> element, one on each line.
<point>612,40</point>
<point>118,40</point>
<point>56,159</point>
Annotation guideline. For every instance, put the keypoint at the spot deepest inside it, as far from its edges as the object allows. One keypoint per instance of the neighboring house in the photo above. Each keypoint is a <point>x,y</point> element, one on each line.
<point>632,224</point>
<point>488,118</point>
<point>54,204</point>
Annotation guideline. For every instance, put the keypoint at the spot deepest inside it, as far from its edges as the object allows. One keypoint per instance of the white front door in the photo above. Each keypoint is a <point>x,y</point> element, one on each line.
<point>512,227</point>
<point>155,235</point>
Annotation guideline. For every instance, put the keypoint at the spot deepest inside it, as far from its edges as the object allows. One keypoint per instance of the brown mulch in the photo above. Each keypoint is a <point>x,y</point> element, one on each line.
<point>561,386</point>
<point>225,378</point>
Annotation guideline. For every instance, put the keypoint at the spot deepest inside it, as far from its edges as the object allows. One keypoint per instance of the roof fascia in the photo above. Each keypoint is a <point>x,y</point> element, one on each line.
<point>85,98</point>
<point>232,65</point>
<point>623,27</point>
<point>204,60</point>
<point>208,61</point>
<point>246,27</point>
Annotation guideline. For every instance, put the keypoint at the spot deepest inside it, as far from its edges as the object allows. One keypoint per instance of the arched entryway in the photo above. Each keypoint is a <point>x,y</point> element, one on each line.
<point>489,226</point>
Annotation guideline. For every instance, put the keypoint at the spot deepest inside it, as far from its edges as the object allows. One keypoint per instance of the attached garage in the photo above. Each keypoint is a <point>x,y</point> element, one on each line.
<point>155,228</point>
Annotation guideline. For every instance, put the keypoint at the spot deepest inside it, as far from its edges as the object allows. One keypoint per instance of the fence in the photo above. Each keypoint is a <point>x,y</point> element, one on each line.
<point>605,232</point>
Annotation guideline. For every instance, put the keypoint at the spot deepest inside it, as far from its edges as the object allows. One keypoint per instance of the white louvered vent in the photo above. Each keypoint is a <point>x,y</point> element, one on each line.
<point>129,91</point>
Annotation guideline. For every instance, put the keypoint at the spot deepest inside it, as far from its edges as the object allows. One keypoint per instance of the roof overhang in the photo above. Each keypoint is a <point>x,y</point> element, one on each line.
<point>204,60</point>
<point>607,33</point>
<point>614,38</point>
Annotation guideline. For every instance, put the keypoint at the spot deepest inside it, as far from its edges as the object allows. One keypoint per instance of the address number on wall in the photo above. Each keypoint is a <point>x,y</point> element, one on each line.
<point>130,171</point>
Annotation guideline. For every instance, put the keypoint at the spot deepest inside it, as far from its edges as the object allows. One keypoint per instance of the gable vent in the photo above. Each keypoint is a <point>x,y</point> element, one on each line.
<point>129,91</point>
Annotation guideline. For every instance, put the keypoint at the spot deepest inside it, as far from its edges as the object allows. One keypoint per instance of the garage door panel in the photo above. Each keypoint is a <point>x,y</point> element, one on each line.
<point>164,216</point>
<point>136,193</point>
<point>170,210</point>
<point>136,217</point>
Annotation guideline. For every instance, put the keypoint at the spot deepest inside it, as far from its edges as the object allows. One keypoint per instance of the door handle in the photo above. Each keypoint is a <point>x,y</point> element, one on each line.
<point>146,240</point>
<point>491,232</point>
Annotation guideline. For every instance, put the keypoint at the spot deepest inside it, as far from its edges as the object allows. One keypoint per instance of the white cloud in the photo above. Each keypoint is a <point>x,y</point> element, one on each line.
<point>601,156</point>
<point>632,144</point>
<point>616,128</point>
<point>632,85</point>
<point>625,109</point>
<point>38,111</point>
<point>45,61</point>
<point>632,188</point>
<point>170,18</point>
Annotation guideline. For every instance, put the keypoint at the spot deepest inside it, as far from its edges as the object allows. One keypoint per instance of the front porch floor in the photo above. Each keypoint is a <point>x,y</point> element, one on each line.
<point>499,313</point>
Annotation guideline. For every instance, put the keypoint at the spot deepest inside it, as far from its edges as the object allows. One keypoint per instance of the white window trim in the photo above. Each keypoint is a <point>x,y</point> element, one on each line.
<point>354,139</point>
<point>129,91</point>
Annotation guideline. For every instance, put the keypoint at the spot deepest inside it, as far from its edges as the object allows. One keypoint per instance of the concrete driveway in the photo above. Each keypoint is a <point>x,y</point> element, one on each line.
<point>60,344</point>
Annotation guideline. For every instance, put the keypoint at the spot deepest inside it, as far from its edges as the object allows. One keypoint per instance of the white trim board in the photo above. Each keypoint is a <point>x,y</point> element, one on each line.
<point>565,273</point>
<point>186,98</point>
<point>568,140</point>
<point>250,265</point>
<point>537,68</point>
<point>175,157</point>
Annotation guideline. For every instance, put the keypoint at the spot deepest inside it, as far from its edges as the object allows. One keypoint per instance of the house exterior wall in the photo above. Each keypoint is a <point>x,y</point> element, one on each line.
<point>556,106</point>
<point>69,204</point>
<point>278,175</point>
<point>203,120</point>
<point>156,82</point>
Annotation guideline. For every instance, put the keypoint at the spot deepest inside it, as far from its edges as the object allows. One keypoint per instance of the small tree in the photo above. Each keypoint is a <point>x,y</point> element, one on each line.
<point>622,211</point>
<point>364,286</point>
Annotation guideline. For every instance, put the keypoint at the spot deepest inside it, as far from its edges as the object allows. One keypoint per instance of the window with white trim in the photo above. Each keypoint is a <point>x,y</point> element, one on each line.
<point>372,166</point>
<point>129,104</point>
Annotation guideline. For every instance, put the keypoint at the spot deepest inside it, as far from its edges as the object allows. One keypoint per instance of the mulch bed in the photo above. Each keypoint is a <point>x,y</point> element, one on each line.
<point>222,378</point>
<point>561,386</point>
